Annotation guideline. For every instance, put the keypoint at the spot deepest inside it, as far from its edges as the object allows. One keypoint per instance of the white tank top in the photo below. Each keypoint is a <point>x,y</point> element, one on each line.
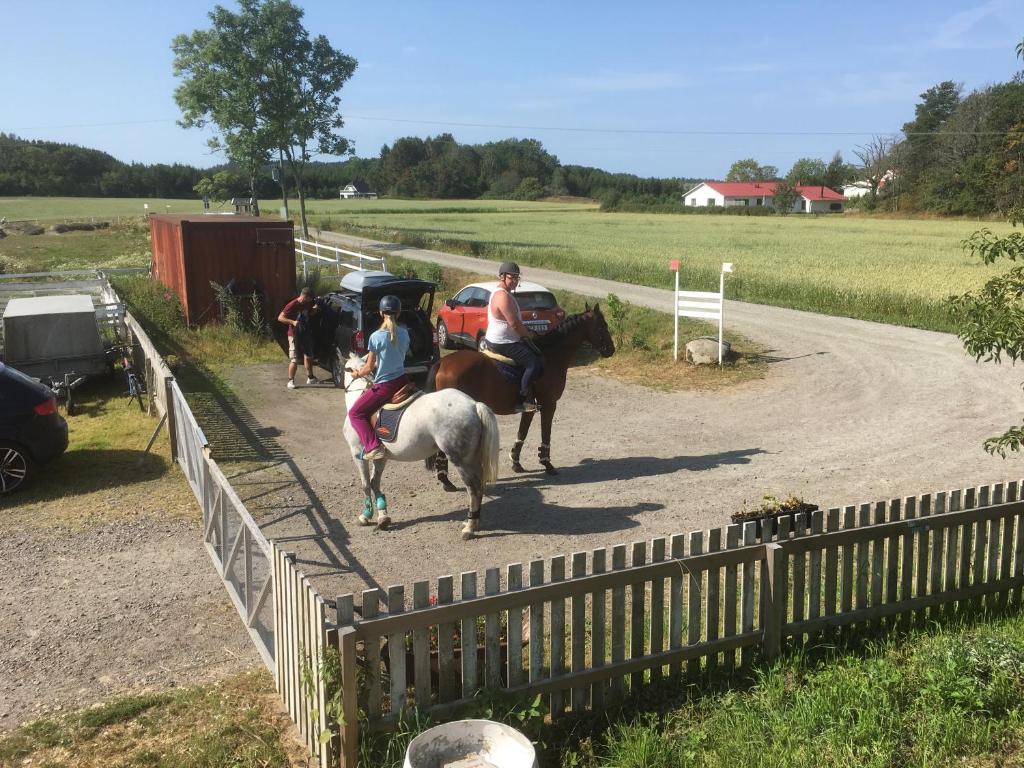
<point>498,331</point>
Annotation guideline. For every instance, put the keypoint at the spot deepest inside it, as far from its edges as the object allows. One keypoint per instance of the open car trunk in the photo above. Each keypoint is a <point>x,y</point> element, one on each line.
<point>417,297</point>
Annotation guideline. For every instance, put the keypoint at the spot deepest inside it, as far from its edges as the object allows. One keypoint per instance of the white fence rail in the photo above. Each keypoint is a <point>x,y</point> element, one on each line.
<point>311,250</point>
<point>701,305</point>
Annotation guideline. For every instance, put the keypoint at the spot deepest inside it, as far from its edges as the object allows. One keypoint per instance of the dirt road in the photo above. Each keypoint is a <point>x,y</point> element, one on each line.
<point>850,412</point>
<point>121,607</point>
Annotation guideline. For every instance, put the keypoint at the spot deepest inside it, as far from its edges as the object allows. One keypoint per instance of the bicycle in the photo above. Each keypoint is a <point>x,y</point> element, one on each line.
<point>136,383</point>
<point>63,389</point>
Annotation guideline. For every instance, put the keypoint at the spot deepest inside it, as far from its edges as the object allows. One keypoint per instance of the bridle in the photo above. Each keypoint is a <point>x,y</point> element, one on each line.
<point>605,348</point>
<point>355,379</point>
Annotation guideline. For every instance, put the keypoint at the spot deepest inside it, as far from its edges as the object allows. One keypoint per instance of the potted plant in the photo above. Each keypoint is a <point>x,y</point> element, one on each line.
<point>771,509</point>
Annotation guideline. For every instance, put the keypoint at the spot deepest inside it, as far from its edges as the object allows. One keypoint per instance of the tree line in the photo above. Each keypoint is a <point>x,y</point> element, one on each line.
<point>960,154</point>
<point>434,168</point>
<point>52,169</point>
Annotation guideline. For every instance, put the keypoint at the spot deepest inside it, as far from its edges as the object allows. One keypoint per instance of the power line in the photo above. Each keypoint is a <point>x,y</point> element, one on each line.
<point>564,129</point>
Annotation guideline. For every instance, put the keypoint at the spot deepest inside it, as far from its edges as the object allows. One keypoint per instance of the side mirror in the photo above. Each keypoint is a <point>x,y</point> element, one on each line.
<point>451,303</point>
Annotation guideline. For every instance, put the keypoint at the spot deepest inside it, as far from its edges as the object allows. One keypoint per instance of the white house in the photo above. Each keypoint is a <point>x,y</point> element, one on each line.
<point>756,193</point>
<point>357,189</point>
<point>857,189</point>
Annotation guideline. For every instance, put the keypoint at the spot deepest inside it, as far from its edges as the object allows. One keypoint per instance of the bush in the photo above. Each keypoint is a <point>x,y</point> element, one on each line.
<point>154,305</point>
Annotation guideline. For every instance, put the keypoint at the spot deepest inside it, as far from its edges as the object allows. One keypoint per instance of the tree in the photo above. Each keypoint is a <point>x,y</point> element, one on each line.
<point>807,172</point>
<point>221,186</point>
<point>303,78</point>
<point>876,161</point>
<point>990,321</point>
<point>937,106</point>
<point>749,169</point>
<point>267,86</point>
<point>837,173</point>
<point>222,85</point>
<point>785,197</point>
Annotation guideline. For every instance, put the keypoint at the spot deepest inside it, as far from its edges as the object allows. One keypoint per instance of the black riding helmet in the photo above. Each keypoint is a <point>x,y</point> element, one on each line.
<point>390,305</point>
<point>508,268</point>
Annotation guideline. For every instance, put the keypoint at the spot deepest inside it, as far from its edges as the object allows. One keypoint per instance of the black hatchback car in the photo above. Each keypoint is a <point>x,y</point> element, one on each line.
<point>348,317</point>
<point>32,432</point>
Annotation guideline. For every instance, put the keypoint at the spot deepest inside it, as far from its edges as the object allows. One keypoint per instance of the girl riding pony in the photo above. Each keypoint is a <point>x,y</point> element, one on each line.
<point>386,361</point>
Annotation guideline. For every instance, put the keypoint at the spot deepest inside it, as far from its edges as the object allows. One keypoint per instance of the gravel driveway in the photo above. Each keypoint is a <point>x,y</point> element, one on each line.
<point>850,412</point>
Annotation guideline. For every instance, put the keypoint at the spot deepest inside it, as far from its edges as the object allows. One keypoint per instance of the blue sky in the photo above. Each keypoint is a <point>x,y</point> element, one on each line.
<point>652,88</point>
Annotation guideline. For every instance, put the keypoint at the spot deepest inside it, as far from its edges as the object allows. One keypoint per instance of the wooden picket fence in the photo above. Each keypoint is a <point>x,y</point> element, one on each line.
<point>302,635</point>
<point>592,628</point>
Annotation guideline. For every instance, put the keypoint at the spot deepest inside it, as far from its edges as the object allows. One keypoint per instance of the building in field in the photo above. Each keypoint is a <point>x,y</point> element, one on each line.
<point>357,189</point>
<point>709,194</point>
<point>857,189</point>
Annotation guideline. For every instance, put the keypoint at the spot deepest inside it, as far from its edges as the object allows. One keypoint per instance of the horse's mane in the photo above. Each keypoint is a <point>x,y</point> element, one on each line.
<point>556,336</point>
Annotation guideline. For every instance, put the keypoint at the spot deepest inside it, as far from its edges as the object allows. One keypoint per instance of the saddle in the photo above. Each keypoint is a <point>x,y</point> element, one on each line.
<point>385,421</point>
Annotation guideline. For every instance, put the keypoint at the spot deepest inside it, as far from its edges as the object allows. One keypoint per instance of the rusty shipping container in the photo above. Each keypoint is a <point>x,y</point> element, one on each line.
<point>246,253</point>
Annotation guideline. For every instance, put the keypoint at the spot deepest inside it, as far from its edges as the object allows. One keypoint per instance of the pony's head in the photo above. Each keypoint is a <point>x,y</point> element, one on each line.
<point>352,384</point>
<point>597,331</point>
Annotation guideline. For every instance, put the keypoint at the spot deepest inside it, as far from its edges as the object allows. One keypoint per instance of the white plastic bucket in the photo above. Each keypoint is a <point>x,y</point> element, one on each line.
<point>469,744</point>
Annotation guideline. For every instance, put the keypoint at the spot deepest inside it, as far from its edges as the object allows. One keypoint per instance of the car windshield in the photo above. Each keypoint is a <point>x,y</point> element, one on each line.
<point>536,300</point>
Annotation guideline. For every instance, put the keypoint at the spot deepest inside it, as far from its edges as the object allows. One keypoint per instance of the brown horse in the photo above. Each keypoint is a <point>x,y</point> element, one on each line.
<point>477,375</point>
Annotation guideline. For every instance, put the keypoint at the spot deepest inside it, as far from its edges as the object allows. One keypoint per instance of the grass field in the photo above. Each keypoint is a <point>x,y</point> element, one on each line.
<point>890,270</point>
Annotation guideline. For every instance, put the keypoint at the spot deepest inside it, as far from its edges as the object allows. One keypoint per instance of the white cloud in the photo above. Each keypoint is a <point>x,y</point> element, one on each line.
<point>624,82</point>
<point>956,31</point>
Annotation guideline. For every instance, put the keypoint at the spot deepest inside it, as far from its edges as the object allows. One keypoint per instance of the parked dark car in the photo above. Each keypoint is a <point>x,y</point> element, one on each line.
<point>32,432</point>
<point>347,318</point>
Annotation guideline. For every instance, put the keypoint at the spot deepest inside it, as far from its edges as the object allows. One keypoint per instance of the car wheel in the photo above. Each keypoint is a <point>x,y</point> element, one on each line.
<point>481,342</point>
<point>338,368</point>
<point>444,340</point>
<point>15,466</point>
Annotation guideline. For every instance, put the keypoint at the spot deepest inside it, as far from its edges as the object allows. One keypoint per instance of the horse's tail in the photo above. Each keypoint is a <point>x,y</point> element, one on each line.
<point>488,445</point>
<point>430,385</point>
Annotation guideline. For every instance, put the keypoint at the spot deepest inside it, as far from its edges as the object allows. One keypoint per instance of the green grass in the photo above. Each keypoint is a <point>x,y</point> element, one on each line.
<point>104,474</point>
<point>951,695</point>
<point>229,723</point>
<point>123,245</point>
<point>56,209</point>
<point>943,698</point>
<point>896,271</point>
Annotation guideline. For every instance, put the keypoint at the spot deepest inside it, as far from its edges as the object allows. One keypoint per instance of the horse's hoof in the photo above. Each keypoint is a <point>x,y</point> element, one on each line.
<point>549,468</point>
<point>384,522</point>
<point>469,529</point>
<point>364,520</point>
<point>448,485</point>
<point>517,467</point>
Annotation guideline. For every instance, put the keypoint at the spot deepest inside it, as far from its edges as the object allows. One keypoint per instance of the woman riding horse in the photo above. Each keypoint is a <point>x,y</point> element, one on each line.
<point>477,374</point>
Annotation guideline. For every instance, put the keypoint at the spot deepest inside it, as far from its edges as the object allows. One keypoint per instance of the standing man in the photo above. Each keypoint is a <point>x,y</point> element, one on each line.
<point>290,316</point>
<point>507,335</point>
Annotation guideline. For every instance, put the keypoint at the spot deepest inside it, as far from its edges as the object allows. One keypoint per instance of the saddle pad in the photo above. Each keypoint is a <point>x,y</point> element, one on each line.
<point>499,358</point>
<point>387,423</point>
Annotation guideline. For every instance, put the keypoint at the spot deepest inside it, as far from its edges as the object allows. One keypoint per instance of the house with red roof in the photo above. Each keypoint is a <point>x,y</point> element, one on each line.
<point>755,193</point>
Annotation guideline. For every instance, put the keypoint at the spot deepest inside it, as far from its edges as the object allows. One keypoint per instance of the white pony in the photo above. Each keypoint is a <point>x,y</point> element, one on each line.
<point>448,421</point>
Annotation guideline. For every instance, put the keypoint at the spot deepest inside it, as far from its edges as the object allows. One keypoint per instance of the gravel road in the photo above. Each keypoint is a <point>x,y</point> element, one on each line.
<point>122,607</point>
<point>850,412</point>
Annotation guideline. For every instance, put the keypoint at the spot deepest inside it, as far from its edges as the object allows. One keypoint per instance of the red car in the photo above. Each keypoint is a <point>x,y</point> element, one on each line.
<point>463,318</point>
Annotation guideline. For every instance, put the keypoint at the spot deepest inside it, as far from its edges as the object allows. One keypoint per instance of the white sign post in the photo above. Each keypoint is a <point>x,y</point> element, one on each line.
<point>706,305</point>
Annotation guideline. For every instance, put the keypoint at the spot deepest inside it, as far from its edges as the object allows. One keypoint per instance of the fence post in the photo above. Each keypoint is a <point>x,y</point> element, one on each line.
<point>773,601</point>
<point>172,425</point>
<point>349,705</point>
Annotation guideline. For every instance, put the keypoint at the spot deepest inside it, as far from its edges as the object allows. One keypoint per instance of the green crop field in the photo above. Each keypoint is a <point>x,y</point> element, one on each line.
<point>890,270</point>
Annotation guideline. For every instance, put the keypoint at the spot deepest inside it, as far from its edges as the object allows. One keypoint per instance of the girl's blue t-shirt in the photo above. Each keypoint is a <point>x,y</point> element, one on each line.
<point>390,357</point>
